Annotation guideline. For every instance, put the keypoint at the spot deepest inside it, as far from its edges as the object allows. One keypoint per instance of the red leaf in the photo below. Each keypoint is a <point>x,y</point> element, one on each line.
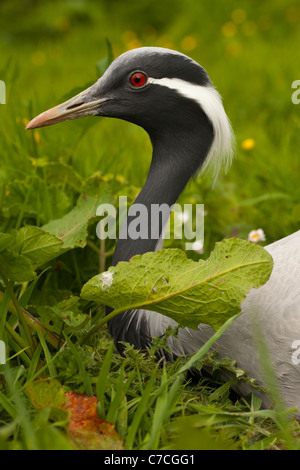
<point>86,430</point>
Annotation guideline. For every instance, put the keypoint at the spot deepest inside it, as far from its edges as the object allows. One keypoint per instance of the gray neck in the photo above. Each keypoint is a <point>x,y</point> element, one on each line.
<point>171,168</point>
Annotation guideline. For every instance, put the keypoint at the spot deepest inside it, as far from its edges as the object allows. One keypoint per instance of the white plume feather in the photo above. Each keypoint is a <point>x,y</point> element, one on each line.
<point>222,149</point>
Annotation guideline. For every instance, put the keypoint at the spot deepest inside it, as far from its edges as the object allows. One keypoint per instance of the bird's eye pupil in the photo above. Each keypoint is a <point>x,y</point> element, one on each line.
<point>138,79</point>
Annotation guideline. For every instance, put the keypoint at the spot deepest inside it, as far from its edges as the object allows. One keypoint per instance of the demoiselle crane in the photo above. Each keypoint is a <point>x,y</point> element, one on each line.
<point>172,98</point>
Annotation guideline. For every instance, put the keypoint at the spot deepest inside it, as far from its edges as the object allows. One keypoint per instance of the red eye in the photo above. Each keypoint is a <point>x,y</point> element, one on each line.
<point>138,79</point>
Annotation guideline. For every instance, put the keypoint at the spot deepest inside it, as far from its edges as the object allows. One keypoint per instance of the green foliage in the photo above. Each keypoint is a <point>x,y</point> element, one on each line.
<point>190,292</point>
<point>72,229</point>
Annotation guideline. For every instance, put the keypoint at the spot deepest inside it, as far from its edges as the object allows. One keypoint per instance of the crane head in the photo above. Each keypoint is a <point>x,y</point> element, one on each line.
<point>165,92</point>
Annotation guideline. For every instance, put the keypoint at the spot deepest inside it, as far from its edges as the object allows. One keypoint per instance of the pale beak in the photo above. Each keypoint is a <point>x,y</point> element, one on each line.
<point>83,104</point>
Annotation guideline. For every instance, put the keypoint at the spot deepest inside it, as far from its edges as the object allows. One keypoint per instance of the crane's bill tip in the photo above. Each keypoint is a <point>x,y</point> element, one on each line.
<point>76,107</point>
<point>44,119</point>
<point>31,125</point>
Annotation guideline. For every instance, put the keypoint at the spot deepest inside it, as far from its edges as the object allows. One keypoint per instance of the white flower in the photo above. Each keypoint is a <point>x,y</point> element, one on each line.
<point>182,216</point>
<point>197,246</point>
<point>257,235</point>
<point>107,279</point>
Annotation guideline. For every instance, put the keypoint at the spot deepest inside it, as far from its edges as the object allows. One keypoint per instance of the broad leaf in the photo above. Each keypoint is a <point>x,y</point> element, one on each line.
<point>38,245</point>
<point>16,267</point>
<point>46,392</point>
<point>22,251</point>
<point>72,229</point>
<point>190,292</point>
<point>86,431</point>
<point>66,311</point>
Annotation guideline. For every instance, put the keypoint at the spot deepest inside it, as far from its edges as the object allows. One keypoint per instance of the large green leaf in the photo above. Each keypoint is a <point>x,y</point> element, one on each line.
<point>46,392</point>
<point>72,229</point>
<point>22,251</point>
<point>38,245</point>
<point>66,311</point>
<point>190,292</point>
<point>16,267</point>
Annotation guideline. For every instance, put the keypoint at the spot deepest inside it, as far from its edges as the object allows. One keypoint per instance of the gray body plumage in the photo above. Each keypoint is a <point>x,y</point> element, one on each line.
<point>270,314</point>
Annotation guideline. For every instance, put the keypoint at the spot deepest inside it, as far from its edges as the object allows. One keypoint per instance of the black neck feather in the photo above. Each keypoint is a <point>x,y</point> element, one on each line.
<point>176,158</point>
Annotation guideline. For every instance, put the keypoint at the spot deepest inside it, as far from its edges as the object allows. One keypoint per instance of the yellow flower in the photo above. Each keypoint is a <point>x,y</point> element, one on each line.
<point>234,48</point>
<point>108,177</point>
<point>248,144</point>
<point>38,58</point>
<point>62,23</point>
<point>188,43</point>
<point>120,179</point>
<point>238,15</point>
<point>134,44</point>
<point>36,137</point>
<point>229,29</point>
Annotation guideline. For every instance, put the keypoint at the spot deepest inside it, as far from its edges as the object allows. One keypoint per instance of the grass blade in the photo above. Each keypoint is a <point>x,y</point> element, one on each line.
<point>205,348</point>
<point>163,409</point>
<point>103,379</point>
<point>47,353</point>
<point>140,411</point>
<point>83,373</point>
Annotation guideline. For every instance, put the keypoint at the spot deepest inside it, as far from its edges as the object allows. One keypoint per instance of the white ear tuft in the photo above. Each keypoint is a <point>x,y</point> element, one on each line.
<point>222,149</point>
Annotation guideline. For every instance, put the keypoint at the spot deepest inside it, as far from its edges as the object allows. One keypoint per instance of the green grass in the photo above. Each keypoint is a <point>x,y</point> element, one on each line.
<point>49,49</point>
